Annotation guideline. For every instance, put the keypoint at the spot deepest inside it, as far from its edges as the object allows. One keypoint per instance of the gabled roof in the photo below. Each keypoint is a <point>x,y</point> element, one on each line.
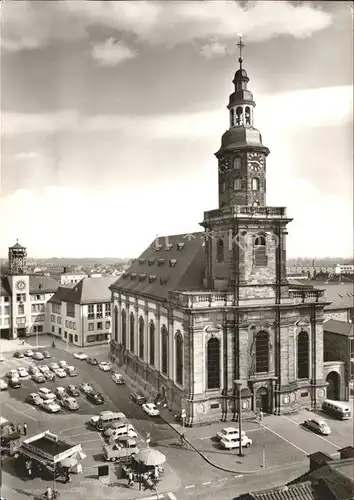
<point>301,491</point>
<point>339,327</point>
<point>87,291</point>
<point>17,245</point>
<point>341,295</point>
<point>175,262</point>
<point>5,288</point>
<point>42,284</point>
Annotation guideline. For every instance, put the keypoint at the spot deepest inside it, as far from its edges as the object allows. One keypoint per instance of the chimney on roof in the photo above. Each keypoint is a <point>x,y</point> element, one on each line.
<point>347,452</point>
<point>318,459</point>
<point>65,269</point>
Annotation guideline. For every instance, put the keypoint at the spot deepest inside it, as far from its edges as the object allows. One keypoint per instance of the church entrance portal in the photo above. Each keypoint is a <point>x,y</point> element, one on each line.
<point>262,400</point>
<point>333,388</point>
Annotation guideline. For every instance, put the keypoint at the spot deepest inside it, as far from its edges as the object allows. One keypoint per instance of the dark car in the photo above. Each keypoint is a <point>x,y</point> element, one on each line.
<point>46,354</point>
<point>15,383</point>
<point>92,361</point>
<point>39,378</point>
<point>138,398</point>
<point>19,354</point>
<point>95,397</point>
<point>72,390</point>
<point>49,375</point>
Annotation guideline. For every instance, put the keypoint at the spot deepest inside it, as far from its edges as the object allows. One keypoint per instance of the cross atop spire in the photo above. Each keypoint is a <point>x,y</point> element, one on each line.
<point>240,45</point>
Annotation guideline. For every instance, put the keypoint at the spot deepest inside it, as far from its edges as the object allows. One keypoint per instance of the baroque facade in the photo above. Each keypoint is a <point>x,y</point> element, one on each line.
<point>196,313</point>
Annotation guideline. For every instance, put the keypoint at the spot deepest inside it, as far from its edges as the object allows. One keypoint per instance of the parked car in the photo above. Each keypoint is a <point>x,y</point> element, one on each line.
<point>53,366</point>
<point>38,356</point>
<point>150,409</point>
<point>50,406</point>
<point>33,369</point>
<point>138,398</point>
<point>38,377</point>
<point>22,372</point>
<point>3,385</point>
<point>18,354</point>
<point>105,366</point>
<point>116,429</point>
<point>123,447</point>
<point>49,375</point>
<point>92,361</point>
<point>85,387</point>
<point>46,354</point>
<point>62,364</point>
<point>60,391</point>
<point>71,371</point>
<point>115,425</point>
<point>46,394</point>
<point>12,374</point>
<point>318,425</point>
<point>95,397</point>
<point>34,399</point>
<point>231,443</point>
<point>93,420</point>
<point>60,372</point>
<point>80,355</point>
<point>72,390</point>
<point>229,433</point>
<point>43,368</point>
<point>71,404</point>
<point>123,430</point>
<point>15,383</point>
<point>118,379</point>
<point>28,353</point>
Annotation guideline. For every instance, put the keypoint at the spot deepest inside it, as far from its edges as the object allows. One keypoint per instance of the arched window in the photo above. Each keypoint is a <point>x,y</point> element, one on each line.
<point>303,355</point>
<point>132,321</point>
<point>262,352</point>
<point>260,258</point>
<point>232,117</point>
<point>237,163</point>
<point>239,117</point>
<point>213,363</point>
<point>237,184</point>
<point>247,115</point>
<point>220,250</point>
<point>179,358</point>
<point>116,323</point>
<point>124,328</point>
<point>141,337</point>
<point>164,350</point>
<point>255,184</point>
<point>223,187</point>
<point>152,343</point>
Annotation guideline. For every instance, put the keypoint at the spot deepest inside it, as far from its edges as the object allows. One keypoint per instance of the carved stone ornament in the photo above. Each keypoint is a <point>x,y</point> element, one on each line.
<point>302,322</point>
<point>224,164</point>
<point>200,409</point>
<point>213,329</point>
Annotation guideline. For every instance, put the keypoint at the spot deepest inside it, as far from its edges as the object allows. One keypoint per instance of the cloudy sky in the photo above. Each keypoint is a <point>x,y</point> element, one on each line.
<point>112,112</point>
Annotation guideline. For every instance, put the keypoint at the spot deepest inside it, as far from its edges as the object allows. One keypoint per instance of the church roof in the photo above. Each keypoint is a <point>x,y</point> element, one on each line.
<point>340,294</point>
<point>175,262</point>
<point>87,291</point>
<point>339,327</point>
<point>242,137</point>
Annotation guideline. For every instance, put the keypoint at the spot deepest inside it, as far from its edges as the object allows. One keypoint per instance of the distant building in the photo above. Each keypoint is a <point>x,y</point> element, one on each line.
<point>82,315</point>
<point>344,269</point>
<point>23,298</point>
<point>96,275</point>
<point>72,277</point>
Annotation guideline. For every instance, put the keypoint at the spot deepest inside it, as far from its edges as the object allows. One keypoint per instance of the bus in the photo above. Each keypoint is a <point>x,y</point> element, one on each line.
<point>338,409</point>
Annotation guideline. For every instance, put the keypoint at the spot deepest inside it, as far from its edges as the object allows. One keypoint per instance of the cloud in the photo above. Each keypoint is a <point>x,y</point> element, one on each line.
<point>26,155</point>
<point>112,52</point>
<point>28,25</point>
<point>215,49</point>
<point>276,112</point>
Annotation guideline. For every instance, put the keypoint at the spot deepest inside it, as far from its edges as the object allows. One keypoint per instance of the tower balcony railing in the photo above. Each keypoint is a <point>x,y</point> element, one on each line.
<point>209,298</point>
<point>246,211</point>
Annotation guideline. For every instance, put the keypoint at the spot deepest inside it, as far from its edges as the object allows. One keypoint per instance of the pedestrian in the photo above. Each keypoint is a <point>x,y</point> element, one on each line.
<point>19,429</point>
<point>130,479</point>
<point>25,429</point>
<point>261,415</point>
<point>67,476</point>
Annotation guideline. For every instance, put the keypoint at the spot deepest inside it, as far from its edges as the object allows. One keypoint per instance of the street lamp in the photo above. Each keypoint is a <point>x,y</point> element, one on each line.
<point>238,384</point>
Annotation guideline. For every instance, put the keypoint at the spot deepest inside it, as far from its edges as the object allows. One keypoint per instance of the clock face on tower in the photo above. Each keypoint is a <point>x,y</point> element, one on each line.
<point>255,162</point>
<point>21,285</point>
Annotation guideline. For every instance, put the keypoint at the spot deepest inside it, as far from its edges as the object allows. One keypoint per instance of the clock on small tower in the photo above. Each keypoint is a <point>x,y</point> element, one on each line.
<point>21,285</point>
<point>255,162</point>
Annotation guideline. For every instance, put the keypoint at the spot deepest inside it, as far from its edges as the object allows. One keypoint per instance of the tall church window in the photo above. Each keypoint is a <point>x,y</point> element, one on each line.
<point>213,363</point>
<point>237,163</point>
<point>179,358</point>
<point>141,337</point>
<point>239,116</point>
<point>124,328</point>
<point>255,184</point>
<point>237,184</point>
<point>232,117</point>
<point>260,258</point>
<point>303,355</point>
<point>223,187</point>
<point>164,350</point>
<point>262,352</point>
<point>219,250</point>
<point>116,323</point>
<point>132,331</point>
<point>247,115</point>
<point>152,343</point>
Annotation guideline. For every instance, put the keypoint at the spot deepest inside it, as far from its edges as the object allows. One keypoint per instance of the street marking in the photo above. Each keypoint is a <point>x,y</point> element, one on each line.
<point>171,496</point>
<point>319,436</point>
<point>72,428</point>
<point>284,439</point>
<point>207,482</point>
<point>80,434</point>
<point>189,486</point>
<point>21,412</point>
<point>91,441</point>
<point>223,479</point>
<point>238,476</point>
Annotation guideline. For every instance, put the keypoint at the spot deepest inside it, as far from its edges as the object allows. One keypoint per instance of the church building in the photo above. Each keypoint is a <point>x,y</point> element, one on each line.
<point>198,317</point>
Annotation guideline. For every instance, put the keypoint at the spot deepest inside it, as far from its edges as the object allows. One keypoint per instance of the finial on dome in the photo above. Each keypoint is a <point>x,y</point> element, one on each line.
<point>240,45</point>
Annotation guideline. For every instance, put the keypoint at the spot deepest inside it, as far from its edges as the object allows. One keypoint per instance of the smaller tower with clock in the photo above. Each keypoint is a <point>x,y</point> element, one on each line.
<point>242,156</point>
<point>19,282</point>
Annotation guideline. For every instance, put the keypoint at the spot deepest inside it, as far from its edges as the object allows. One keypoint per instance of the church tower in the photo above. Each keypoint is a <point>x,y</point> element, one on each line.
<point>17,260</point>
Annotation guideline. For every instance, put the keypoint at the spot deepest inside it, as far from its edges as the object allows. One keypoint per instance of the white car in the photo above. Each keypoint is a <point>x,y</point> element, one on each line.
<point>95,418</point>
<point>46,394</point>
<point>43,368</point>
<point>85,387</point>
<point>12,374</point>
<point>122,430</point>
<point>38,355</point>
<point>60,391</point>
<point>60,372</point>
<point>71,404</point>
<point>3,385</point>
<point>231,443</point>
<point>80,355</point>
<point>118,379</point>
<point>22,372</point>
<point>229,433</point>
<point>54,366</point>
<point>318,425</point>
<point>62,364</point>
<point>105,366</point>
<point>151,409</point>
<point>50,406</point>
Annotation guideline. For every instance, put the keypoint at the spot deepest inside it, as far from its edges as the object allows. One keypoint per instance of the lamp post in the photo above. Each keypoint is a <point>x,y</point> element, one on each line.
<point>238,384</point>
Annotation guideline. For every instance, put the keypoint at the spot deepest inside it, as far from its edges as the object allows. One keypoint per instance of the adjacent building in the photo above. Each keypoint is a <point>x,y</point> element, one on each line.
<point>70,278</point>
<point>82,315</point>
<point>199,317</point>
